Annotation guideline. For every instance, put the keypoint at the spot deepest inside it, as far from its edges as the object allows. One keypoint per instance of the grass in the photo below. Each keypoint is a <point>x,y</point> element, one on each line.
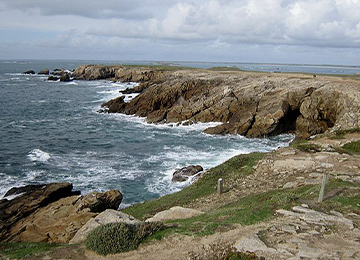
<point>262,206</point>
<point>21,250</point>
<point>306,146</point>
<point>349,148</point>
<point>236,167</point>
<point>225,69</point>
<point>340,134</point>
<point>115,238</point>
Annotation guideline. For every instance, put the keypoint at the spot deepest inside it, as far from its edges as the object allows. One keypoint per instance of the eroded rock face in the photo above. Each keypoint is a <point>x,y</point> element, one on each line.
<point>250,104</point>
<point>50,213</point>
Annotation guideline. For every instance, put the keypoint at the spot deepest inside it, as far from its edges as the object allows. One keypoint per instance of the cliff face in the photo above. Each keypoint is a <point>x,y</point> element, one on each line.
<point>247,103</point>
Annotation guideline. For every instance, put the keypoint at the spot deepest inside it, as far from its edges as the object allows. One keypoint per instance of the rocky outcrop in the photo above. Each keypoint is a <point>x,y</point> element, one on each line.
<point>50,213</point>
<point>184,173</point>
<point>124,74</point>
<point>246,103</point>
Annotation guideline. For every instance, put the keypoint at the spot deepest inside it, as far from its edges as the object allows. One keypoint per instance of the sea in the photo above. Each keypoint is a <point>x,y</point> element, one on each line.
<point>53,132</point>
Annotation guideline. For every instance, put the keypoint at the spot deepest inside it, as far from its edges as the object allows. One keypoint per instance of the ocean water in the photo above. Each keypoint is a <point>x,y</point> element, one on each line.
<point>52,132</point>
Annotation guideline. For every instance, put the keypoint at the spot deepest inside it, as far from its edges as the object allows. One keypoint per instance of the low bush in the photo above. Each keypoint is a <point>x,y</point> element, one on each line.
<point>306,146</point>
<point>120,237</point>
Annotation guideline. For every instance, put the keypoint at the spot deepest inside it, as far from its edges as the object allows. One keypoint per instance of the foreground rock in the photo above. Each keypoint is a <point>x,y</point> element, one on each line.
<point>50,213</point>
<point>184,173</point>
<point>247,103</point>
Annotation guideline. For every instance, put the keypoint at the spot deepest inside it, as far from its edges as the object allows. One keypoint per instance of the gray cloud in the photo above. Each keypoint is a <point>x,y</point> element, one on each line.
<point>217,26</point>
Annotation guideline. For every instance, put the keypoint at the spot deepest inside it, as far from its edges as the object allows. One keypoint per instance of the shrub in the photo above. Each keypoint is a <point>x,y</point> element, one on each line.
<point>306,146</point>
<point>120,237</point>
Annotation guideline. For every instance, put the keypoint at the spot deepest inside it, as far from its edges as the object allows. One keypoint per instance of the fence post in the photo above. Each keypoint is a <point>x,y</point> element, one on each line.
<point>220,186</point>
<point>323,186</point>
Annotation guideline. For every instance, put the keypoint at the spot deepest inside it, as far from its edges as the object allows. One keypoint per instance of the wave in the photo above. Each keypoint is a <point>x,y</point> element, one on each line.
<point>36,155</point>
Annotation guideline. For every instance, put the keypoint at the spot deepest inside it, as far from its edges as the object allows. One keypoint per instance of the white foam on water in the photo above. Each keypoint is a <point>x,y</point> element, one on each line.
<point>34,174</point>
<point>8,182</point>
<point>36,155</point>
<point>72,83</point>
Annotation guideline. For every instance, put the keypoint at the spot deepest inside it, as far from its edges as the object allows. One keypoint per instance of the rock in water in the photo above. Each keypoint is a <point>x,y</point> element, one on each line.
<point>53,78</point>
<point>184,173</point>
<point>65,77</point>
<point>44,72</point>
<point>29,72</point>
<point>50,213</point>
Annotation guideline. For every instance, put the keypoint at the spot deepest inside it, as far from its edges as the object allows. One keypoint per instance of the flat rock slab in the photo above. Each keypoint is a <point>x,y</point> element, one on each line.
<point>315,217</point>
<point>175,213</point>
<point>106,217</point>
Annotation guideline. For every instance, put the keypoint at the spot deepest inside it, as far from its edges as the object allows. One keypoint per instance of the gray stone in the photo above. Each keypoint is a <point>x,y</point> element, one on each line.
<point>315,217</point>
<point>175,213</point>
<point>106,217</point>
<point>253,243</point>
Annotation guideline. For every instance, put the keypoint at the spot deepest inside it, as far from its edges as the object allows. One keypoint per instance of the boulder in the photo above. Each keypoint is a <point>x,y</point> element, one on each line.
<point>174,213</point>
<point>106,217</point>
<point>53,78</point>
<point>50,213</point>
<point>65,77</point>
<point>44,72</point>
<point>183,174</point>
<point>58,72</point>
<point>29,72</point>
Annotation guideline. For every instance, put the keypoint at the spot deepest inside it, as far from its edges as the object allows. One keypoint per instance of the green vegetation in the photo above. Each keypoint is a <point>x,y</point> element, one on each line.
<point>234,168</point>
<point>225,69</point>
<point>21,250</point>
<point>120,237</point>
<point>306,146</point>
<point>262,206</point>
<point>340,134</point>
<point>351,148</point>
<point>217,252</point>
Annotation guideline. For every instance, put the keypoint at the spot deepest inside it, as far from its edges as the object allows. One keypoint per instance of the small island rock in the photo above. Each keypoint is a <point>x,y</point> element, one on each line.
<point>184,173</point>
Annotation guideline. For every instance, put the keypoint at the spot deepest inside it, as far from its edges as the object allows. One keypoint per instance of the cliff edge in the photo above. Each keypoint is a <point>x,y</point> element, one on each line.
<point>252,104</point>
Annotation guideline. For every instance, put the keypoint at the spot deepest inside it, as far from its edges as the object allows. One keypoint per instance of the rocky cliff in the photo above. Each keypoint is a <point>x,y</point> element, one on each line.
<point>51,212</point>
<point>246,103</point>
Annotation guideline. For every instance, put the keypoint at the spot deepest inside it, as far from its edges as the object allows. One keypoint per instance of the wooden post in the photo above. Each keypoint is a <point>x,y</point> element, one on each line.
<point>220,187</point>
<point>323,186</point>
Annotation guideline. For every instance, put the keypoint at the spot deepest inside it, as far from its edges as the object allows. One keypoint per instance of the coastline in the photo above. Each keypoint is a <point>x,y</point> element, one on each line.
<point>253,104</point>
<point>286,177</point>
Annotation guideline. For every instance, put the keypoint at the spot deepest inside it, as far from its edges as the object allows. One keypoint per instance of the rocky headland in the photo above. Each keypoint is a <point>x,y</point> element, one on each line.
<point>270,201</point>
<point>252,104</point>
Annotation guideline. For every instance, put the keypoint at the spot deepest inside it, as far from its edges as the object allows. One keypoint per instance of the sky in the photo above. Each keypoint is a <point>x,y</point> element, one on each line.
<point>269,31</point>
